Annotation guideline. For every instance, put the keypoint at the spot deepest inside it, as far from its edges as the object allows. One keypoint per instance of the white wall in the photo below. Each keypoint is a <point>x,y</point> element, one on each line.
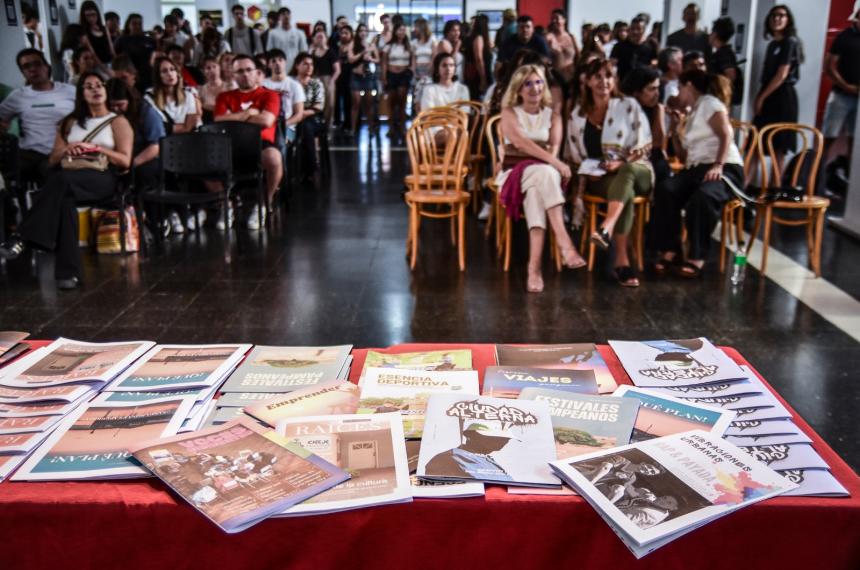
<point>309,11</point>
<point>11,42</point>
<point>149,9</point>
<point>709,10</point>
<point>608,11</point>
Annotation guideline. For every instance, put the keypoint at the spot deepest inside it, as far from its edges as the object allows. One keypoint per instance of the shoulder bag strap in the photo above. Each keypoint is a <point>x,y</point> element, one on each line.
<point>98,129</point>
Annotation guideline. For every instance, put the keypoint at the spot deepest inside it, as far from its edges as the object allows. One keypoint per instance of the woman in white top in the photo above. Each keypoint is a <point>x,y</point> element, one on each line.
<point>452,43</point>
<point>425,49</point>
<point>532,132</point>
<point>398,62</point>
<point>52,222</point>
<point>705,144</point>
<point>444,90</point>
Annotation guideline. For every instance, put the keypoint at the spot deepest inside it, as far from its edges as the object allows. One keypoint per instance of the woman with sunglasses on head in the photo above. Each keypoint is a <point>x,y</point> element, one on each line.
<point>93,145</point>
<point>531,172</point>
<point>612,129</point>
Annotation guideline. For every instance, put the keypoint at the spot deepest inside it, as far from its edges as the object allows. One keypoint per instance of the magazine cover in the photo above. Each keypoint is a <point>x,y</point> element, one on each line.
<point>223,415</point>
<point>21,443</point>
<point>456,359</point>
<point>487,439</point>
<point>9,340</point>
<point>237,474</point>
<point>762,427</point>
<point>93,441</point>
<point>24,410</point>
<point>779,438</point>
<point>681,362</point>
<point>763,400</point>
<point>8,463</point>
<point>582,356</point>
<point>66,361</point>
<point>406,391</point>
<point>243,399</point>
<point>814,483</point>
<point>370,448</point>
<point>67,393</point>
<point>654,491</point>
<point>422,489</point>
<point>509,381</point>
<point>761,414</point>
<point>13,353</point>
<point>176,367</point>
<point>27,425</point>
<point>287,368</point>
<point>787,456</point>
<point>664,415</point>
<point>327,400</point>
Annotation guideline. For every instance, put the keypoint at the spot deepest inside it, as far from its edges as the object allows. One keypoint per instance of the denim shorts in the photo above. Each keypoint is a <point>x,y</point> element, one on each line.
<point>840,116</point>
<point>366,82</point>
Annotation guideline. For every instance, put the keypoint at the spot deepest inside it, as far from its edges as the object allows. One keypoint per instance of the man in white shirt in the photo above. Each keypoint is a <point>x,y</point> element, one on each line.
<point>39,106</point>
<point>670,62</point>
<point>241,38</point>
<point>287,38</point>
<point>291,91</point>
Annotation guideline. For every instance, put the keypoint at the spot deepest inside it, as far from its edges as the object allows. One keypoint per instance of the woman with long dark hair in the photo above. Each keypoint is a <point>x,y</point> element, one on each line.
<point>643,84</point>
<point>97,35</point>
<point>343,85</point>
<point>93,145</point>
<point>312,113</point>
<point>478,58</point>
<point>452,42</point>
<point>776,101</point>
<point>363,83</point>
<point>425,49</point>
<point>327,69</point>
<point>147,127</point>
<point>398,63</point>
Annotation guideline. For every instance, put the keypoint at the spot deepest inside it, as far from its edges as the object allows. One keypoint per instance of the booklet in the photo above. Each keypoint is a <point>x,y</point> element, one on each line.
<point>180,366</point>
<point>509,381</point>
<point>326,400</point>
<point>222,416</point>
<point>762,427</point>
<point>760,414</point>
<point>814,483</point>
<point>21,443</point>
<point>8,463</point>
<point>93,441</point>
<point>591,167</point>
<point>66,393</point>
<point>749,401</point>
<point>27,425</point>
<point>286,368</point>
<point>456,359</point>
<point>370,448</point>
<point>787,456</point>
<point>13,353</point>
<point>11,345</point>
<point>237,474</point>
<point>406,391</point>
<point>655,491</point>
<point>784,438</point>
<point>422,489</point>
<point>487,439</point>
<point>37,409</point>
<point>67,361</point>
<point>715,390</point>
<point>583,356</point>
<point>682,362</point>
<point>243,399</point>
<point>664,415</point>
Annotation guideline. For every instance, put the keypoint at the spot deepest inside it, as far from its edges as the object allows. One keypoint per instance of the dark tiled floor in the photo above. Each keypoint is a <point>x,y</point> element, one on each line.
<point>333,270</point>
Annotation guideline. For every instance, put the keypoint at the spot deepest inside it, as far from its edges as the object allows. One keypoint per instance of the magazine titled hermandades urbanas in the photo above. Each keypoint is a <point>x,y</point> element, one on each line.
<point>236,474</point>
<point>287,368</point>
<point>581,356</point>
<point>655,491</point>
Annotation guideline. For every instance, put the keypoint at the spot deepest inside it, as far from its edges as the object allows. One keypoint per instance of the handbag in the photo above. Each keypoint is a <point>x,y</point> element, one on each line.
<point>106,231</point>
<point>98,161</point>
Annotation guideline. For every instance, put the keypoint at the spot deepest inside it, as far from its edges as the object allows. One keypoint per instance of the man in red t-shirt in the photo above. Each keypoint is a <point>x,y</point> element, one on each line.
<point>251,103</point>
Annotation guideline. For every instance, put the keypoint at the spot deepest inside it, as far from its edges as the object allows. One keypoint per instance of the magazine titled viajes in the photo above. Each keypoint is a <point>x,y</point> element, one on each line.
<point>422,489</point>
<point>387,390</point>
<point>21,443</point>
<point>655,491</point>
<point>682,362</point>
<point>67,361</point>
<point>239,473</point>
<point>93,441</point>
<point>180,367</point>
<point>370,447</point>
<point>29,424</point>
<point>327,400</point>
<point>509,381</point>
<point>814,483</point>
<point>581,356</point>
<point>455,359</point>
<point>67,393</point>
<point>493,440</point>
<point>788,456</point>
<point>582,424</point>
<point>286,368</point>
<point>664,415</point>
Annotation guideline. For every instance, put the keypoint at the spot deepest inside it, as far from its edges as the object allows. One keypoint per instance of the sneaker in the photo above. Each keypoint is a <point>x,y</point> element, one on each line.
<point>196,220</point>
<point>255,221</point>
<point>175,223</point>
<point>484,214</point>
<point>220,223</point>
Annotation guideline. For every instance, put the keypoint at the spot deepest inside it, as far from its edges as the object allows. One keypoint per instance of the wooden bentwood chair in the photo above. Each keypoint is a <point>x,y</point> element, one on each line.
<point>437,177</point>
<point>475,157</point>
<point>641,213</point>
<point>814,207</point>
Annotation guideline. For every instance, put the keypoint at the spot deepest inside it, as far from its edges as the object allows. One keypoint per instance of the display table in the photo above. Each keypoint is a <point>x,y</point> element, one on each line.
<point>138,524</point>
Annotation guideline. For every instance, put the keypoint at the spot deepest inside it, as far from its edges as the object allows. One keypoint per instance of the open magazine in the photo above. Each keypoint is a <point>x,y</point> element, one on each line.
<point>680,362</point>
<point>580,356</point>
<point>237,474</point>
<point>287,368</point>
<point>655,491</point>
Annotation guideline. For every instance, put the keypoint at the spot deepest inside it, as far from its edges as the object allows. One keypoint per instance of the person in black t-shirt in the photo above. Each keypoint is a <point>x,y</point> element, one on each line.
<point>776,101</point>
<point>635,51</point>
<point>690,38</point>
<point>525,38</point>
<point>723,60</point>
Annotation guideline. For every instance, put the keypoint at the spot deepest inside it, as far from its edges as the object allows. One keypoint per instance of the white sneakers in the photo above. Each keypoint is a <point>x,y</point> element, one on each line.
<point>196,220</point>
<point>175,223</point>
<point>220,225</point>
<point>484,214</point>
<point>255,220</point>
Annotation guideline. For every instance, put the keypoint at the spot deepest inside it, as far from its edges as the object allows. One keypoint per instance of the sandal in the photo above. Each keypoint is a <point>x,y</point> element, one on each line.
<point>601,238</point>
<point>534,286</point>
<point>662,265</point>
<point>577,263</point>
<point>687,270</point>
<point>625,276</point>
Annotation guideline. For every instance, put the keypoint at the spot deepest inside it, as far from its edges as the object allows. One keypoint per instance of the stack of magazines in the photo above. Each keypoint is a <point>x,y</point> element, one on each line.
<point>12,345</point>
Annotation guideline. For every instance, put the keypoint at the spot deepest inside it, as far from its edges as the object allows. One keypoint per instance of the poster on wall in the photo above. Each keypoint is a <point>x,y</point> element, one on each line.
<point>11,13</point>
<point>53,12</point>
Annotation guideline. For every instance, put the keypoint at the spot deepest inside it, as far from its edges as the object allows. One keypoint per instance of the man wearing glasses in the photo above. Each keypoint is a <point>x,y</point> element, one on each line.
<point>39,106</point>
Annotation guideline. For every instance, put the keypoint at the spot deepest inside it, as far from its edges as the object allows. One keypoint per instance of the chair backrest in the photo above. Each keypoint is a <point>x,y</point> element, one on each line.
<point>748,143</point>
<point>247,143</point>
<point>435,166</point>
<point>10,165</point>
<point>493,134</point>
<point>199,155</point>
<point>475,111</point>
<point>805,162</point>
<point>447,113</point>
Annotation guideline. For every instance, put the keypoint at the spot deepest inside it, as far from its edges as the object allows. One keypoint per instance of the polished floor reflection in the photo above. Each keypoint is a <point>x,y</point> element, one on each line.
<point>332,269</point>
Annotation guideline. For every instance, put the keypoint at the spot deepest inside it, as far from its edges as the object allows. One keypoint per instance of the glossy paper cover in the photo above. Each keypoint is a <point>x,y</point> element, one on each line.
<point>287,368</point>
<point>581,356</point>
<point>455,359</point>
<point>509,381</point>
<point>329,399</point>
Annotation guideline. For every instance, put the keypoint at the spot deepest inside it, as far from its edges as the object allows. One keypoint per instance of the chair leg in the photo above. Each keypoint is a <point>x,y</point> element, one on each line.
<point>500,223</point>
<point>490,221</point>
<point>819,233</point>
<point>640,239</point>
<point>811,221</point>
<point>461,235</point>
<point>759,214</point>
<point>507,231</point>
<point>453,225</point>
<point>724,232</point>
<point>122,228</point>
<point>592,227</point>
<point>768,219</point>
<point>413,229</point>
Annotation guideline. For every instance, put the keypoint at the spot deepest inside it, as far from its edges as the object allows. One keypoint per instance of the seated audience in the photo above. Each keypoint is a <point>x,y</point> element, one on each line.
<point>97,35</point>
<point>710,156</point>
<point>291,91</point>
<point>690,37</point>
<point>52,222</point>
<point>39,106</point>
<point>123,69</point>
<point>213,87</point>
<point>525,38</point>
<point>211,44</point>
<point>532,133</point>
<point>191,76</point>
<point>253,103</point>
<point>312,110</point>
<point>635,51</point>
<point>147,127</point>
<point>84,61</point>
<point>139,47</point>
<point>613,129</point>
<point>445,88</point>
<point>643,84</point>
<point>670,63</point>
<point>694,60</point>
<point>225,60</point>
<point>74,37</point>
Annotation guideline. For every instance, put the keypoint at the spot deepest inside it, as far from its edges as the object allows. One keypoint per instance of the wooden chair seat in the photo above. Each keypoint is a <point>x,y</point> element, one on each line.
<point>641,209</point>
<point>808,202</point>
<point>436,196</point>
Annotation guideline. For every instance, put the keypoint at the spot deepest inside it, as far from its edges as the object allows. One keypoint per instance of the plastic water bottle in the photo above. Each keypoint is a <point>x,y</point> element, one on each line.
<point>739,267</point>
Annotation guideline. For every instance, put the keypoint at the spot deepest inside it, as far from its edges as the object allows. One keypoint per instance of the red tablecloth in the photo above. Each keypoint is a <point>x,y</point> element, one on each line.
<point>138,524</point>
